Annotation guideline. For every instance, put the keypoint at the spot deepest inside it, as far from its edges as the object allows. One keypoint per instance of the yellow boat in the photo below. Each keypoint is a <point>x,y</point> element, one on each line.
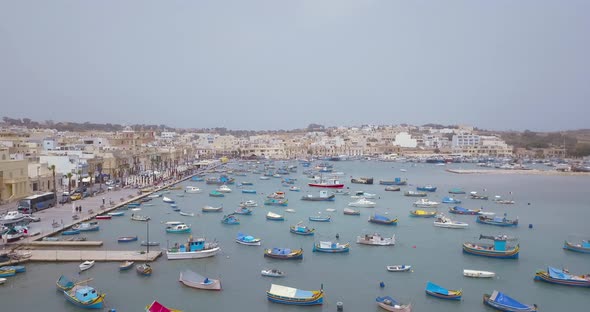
<point>422,213</point>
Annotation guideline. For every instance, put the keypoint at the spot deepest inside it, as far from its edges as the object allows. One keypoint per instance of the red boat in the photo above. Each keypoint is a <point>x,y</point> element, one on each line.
<point>102,217</point>
<point>330,183</point>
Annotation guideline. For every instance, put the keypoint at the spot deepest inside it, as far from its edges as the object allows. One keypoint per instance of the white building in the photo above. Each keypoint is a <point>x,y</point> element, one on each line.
<point>168,135</point>
<point>404,139</point>
<point>464,139</point>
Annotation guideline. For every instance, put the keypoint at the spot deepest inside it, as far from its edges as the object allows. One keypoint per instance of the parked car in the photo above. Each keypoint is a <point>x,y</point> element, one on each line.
<point>76,196</point>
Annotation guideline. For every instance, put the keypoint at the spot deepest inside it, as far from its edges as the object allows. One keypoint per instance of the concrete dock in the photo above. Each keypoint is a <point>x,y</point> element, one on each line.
<point>97,255</point>
<point>517,171</point>
<point>64,243</point>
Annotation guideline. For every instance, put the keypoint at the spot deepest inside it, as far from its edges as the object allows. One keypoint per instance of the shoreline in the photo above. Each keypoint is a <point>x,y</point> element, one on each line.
<point>521,172</point>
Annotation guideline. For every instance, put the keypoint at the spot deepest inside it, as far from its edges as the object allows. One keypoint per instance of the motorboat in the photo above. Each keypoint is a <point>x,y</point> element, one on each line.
<point>446,222</point>
<point>375,239</point>
<point>224,189</point>
<point>86,265</point>
<point>479,274</point>
<point>425,203</point>
<point>363,203</point>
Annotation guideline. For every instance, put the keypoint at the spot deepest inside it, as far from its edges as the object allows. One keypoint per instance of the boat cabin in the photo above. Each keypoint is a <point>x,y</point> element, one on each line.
<point>193,245</point>
<point>86,294</point>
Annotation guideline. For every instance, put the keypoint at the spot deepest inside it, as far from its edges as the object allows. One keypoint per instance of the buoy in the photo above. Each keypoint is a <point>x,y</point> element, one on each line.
<point>529,204</point>
<point>381,284</point>
<point>530,226</point>
<point>337,236</point>
<point>414,246</point>
<point>339,306</point>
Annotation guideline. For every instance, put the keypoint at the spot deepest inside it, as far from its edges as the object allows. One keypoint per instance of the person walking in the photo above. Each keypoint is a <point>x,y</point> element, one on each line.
<point>103,201</point>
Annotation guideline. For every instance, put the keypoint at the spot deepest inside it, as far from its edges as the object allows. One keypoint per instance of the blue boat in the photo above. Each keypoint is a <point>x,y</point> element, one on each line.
<point>560,277</point>
<point>500,249</point>
<point>64,283</point>
<point>86,227</point>
<point>243,211</point>
<point>247,183</point>
<point>70,232</point>
<point>426,188</point>
<point>276,202</point>
<point>7,273</point>
<point>116,214</point>
<point>133,205</point>
<point>85,297</point>
<point>197,179</point>
<point>502,302</point>
<point>379,219</point>
<point>450,200</point>
<point>464,211</point>
<point>498,221</point>
<point>215,193</point>
<point>249,191</point>
<point>284,253</point>
<point>16,268</point>
<point>294,296</point>
<point>320,218</point>
<point>396,181</point>
<point>127,239</point>
<point>230,219</point>
<point>301,230</point>
<point>248,240</point>
<point>178,228</point>
<point>583,247</point>
<point>440,292</point>
<point>456,190</point>
<point>331,247</point>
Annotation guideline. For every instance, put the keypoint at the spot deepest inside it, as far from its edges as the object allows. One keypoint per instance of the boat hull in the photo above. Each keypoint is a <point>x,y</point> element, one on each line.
<point>192,254</point>
<point>509,254</point>
<point>501,307</point>
<point>478,274</point>
<point>569,246</point>
<point>95,304</point>
<point>459,225</point>
<point>443,296</point>
<point>400,308</point>
<point>336,186</point>
<point>316,300</point>
<point>257,243</point>
<point>543,276</point>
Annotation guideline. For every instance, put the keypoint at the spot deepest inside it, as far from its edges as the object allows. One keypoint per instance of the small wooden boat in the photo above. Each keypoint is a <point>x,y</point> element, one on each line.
<point>300,229</point>
<point>135,217</point>
<point>195,280</point>
<point>16,268</point>
<point>478,274</point>
<point>440,292</point>
<point>230,219</point>
<point>215,193</point>
<point>86,227</point>
<point>186,214</point>
<point>464,211</point>
<point>158,307</point>
<point>331,247</point>
<point>127,239</point>
<point>85,297</point>
<point>284,253</point>
<point>126,265</point>
<point>248,240</point>
<point>103,217</point>
<point>2,280</point>
<point>502,302</point>
<point>70,232</point>
<point>86,265</point>
<point>396,181</point>
<point>399,268</point>
<point>178,228</point>
<point>500,249</point>
<point>274,217</point>
<point>212,209</point>
<point>144,243</point>
<point>583,247</point>
<point>351,212</point>
<point>422,213</point>
<point>249,191</point>
<point>272,273</point>
<point>320,218</point>
<point>7,273</point>
<point>294,296</point>
<point>497,221</point>
<point>389,304</point>
<point>243,211</point>
<point>415,194</point>
<point>375,239</point>
<point>64,283</point>
<point>561,277</point>
<point>144,269</point>
<point>380,219</point>
<point>118,213</point>
<point>392,188</point>
<point>426,188</point>
<point>445,222</point>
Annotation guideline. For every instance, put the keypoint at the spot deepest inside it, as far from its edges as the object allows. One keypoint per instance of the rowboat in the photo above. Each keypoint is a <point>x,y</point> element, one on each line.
<point>399,268</point>
<point>230,219</point>
<point>243,211</point>
<point>64,283</point>
<point>135,217</point>
<point>562,277</point>
<point>117,214</point>
<point>195,280</point>
<point>86,265</point>
<point>502,302</point>
<point>331,247</point>
<point>215,193</point>
<point>425,203</point>
<point>127,239</point>
<point>422,213</point>
<point>186,214</point>
<point>70,232</point>
<point>479,274</point>
<point>320,218</point>
<point>294,296</point>
<point>415,194</point>
<point>126,265</point>
<point>248,240</point>
<point>380,219</point>
<point>440,292</point>
<point>167,200</point>
<point>16,268</point>
<point>193,249</point>
<point>500,249</point>
<point>276,202</point>
<point>249,191</point>
<point>446,222</point>
<point>86,227</point>
<point>426,188</point>
<point>178,228</point>
<point>301,230</point>
<point>375,239</point>
<point>351,212</point>
<point>158,307</point>
<point>389,304</point>
<point>212,209</point>
<point>247,183</point>
<point>284,253</point>
<point>362,203</point>
<point>583,247</point>
<point>464,211</point>
<point>103,217</point>
<point>498,221</point>
<point>85,297</point>
<point>7,273</point>
<point>274,217</point>
<point>272,273</point>
<point>144,269</point>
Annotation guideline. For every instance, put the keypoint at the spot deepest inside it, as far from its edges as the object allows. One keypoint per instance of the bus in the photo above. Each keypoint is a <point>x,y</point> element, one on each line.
<point>36,202</point>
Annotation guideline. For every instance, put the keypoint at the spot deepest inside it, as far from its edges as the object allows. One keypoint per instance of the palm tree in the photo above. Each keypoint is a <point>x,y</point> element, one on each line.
<point>79,177</point>
<point>69,175</point>
<point>52,168</point>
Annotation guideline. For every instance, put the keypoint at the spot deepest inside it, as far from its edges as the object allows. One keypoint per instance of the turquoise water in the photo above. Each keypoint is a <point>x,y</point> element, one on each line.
<point>558,210</point>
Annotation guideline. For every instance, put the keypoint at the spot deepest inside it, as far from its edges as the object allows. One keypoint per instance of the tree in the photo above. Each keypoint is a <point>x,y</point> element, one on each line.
<point>52,168</point>
<point>69,175</point>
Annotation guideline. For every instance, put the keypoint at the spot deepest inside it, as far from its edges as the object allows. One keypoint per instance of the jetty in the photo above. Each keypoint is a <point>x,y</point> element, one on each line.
<point>97,255</point>
<point>63,243</point>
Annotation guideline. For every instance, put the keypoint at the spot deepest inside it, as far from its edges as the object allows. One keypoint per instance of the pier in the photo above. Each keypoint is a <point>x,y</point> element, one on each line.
<point>97,255</point>
<point>64,244</point>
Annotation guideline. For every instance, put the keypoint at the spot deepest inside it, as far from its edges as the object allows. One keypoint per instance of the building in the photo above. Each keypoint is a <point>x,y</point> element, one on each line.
<point>404,139</point>
<point>465,139</point>
<point>14,179</point>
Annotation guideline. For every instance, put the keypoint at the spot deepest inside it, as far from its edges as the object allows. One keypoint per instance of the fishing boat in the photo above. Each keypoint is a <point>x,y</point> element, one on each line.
<point>331,247</point>
<point>272,273</point>
<point>362,194</point>
<point>456,191</point>
<point>450,200</point>
<point>395,181</point>
<point>502,302</point>
<point>117,214</point>
<point>86,265</point>
<point>195,280</point>
<point>85,297</point>
<point>103,217</point>
<point>375,240</point>
<point>583,247</point>
<point>249,203</point>
<point>275,202</point>
<point>498,221</point>
<point>363,203</point>
<point>340,192</point>
<point>70,232</point>
<point>440,292</point>
<point>446,222</point>
<point>380,219</point>
<point>425,203</point>
<point>243,211</point>
<point>178,228</point>
<point>351,212</point>
<point>146,243</point>
<point>224,189</point>
<point>167,200</point>
<point>212,209</point>
<point>144,269</point>
<point>249,191</point>
<point>389,304</point>
<point>126,265</point>
<point>362,180</point>
<point>16,268</point>
<point>323,197</point>
<point>284,253</point>
<point>415,194</point>
<point>247,183</point>
<point>399,268</point>
<point>294,296</point>
<point>391,188</point>
<point>274,217</point>
<point>300,229</point>
<point>426,188</point>
<point>500,249</point>
<point>422,213</point>
<point>320,218</point>
<point>230,219</point>
<point>248,240</point>
<point>186,214</point>
<point>158,307</point>
<point>64,283</point>
<point>464,211</point>
<point>193,249</point>
<point>474,195</point>
<point>126,239</point>
<point>135,217</point>
<point>86,227</point>
<point>478,274</point>
<point>192,190</point>
<point>215,193</point>
<point>562,277</point>
<point>294,189</point>
<point>329,183</point>
<point>7,273</point>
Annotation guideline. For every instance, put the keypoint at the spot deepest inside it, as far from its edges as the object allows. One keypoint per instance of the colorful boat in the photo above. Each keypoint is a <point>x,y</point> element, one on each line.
<point>284,253</point>
<point>87,227</point>
<point>230,219</point>
<point>195,280</point>
<point>380,219</point>
<point>7,273</point>
<point>215,193</point>
<point>300,229</point>
<point>389,304</point>
<point>415,194</point>
<point>500,249</point>
<point>103,217</point>
<point>440,292</point>
<point>126,265</point>
<point>322,197</point>
<point>456,191</point>
<point>212,209</point>
<point>16,268</point>
<point>399,268</point>
<point>395,181</point>
<point>331,247</point>
<point>85,297</point>
<point>464,211</point>
<point>320,218</point>
<point>276,202</point>
<point>562,277</point>
<point>243,211</point>
<point>376,240</point>
<point>248,240</point>
<point>158,307</point>
<point>450,200</point>
<point>116,214</point>
<point>583,247</point>
<point>126,239</point>
<point>498,221</point>
<point>426,188</point>
<point>144,269</point>
<point>178,228</point>
<point>502,302</point>
<point>422,213</point>
<point>294,296</point>
<point>351,212</point>
<point>274,217</point>
<point>193,249</point>
<point>70,232</point>
<point>330,183</point>
<point>64,283</point>
<point>249,191</point>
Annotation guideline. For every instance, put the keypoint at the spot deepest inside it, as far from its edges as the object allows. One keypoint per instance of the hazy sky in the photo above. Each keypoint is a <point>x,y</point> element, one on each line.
<point>284,64</point>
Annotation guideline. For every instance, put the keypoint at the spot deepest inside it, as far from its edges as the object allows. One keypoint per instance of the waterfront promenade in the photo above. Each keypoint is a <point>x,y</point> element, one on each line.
<point>517,171</point>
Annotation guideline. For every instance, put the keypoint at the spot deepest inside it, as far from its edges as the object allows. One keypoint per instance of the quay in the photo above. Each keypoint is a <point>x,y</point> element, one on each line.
<point>517,171</point>
<point>63,244</point>
<point>83,255</point>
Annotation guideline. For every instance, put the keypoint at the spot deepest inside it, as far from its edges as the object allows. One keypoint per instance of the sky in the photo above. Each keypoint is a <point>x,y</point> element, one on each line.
<point>265,65</point>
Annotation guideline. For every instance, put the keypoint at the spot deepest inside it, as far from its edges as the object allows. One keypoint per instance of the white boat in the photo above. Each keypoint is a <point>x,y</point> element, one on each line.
<point>186,214</point>
<point>12,217</point>
<point>249,203</point>
<point>167,200</point>
<point>135,209</point>
<point>358,195</point>
<point>290,210</point>
<point>399,268</point>
<point>403,170</point>
<point>264,178</point>
<point>446,222</point>
<point>330,209</point>
<point>193,249</point>
<point>425,203</point>
<point>487,213</point>
<point>476,273</point>
<point>363,203</point>
<point>173,222</point>
<point>192,189</point>
<point>154,196</point>
<point>272,273</point>
<point>375,239</point>
<point>2,280</point>
<point>86,265</point>
<point>224,189</point>
<point>274,216</point>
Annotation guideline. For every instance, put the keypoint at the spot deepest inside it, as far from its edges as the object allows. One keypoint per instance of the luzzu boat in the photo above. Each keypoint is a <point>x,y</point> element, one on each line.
<point>294,296</point>
<point>502,302</point>
<point>243,211</point>
<point>331,247</point>
<point>320,218</point>
<point>390,304</point>
<point>583,247</point>
<point>230,219</point>
<point>562,277</point>
<point>422,213</point>
<point>301,230</point>
<point>284,253</point>
<point>498,221</point>
<point>464,211</point>
<point>85,297</point>
<point>248,240</point>
<point>499,249</point>
<point>440,292</point>
<point>215,193</point>
<point>178,228</point>
<point>379,219</point>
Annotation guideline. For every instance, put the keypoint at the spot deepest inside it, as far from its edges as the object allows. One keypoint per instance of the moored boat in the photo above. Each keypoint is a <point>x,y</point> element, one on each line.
<point>193,249</point>
<point>478,274</point>
<point>498,221</point>
<point>415,194</point>
<point>362,180</point>
<point>124,266</point>
<point>426,188</point>
<point>330,183</point>
<point>178,228</point>
<point>86,265</point>
<point>381,219</point>
<point>422,213</point>
<point>300,229</point>
<point>186,214</point>
<point>195,280</point>
<point>249,191</point>
<point>103,217</point>
<point>474,195</point>
<point>7,273</point>
<point>215,193</point>
<point>224,189</point>
<point>391,188</point>
<point>230,219</point>
<point>450,200</point>
<point>502,302</point>
<point>249,203</point>
<point>456,191</point>
<point>294,296</point>
<point>351,212</point>
<point>395,181</point>
<point>158,307</point>
<point>116,214</point>
<point>274,216</point>
<point>243,211</point>
<point>425,203</point>
<point>446,222</point>
<point>272,273</point>
<point>144,269</point>
<point>70,232</point>
<point>64,283</point>
<point>500,249</point>
<point>145,243</point>
<point>85,297</point>
<point>375,239</point>
<point>562,277</point>
<point>363,203</point>
<point>212,209</point>
<point>322,197</point>
<point>399,268</point>
<point>583,247</point>
<point>440,292</point>
<point>284,253</point>
<point>141,218</point>
<point>320,218</point>
<point>168,200</point>
<point>87,227</point>
<point>276,202</point>
<point>248,240</point>
<point>464,211</point>
<point>389,304</point>
<point>126,239</point>
<point>192,189</point>
<point>331,247</point>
